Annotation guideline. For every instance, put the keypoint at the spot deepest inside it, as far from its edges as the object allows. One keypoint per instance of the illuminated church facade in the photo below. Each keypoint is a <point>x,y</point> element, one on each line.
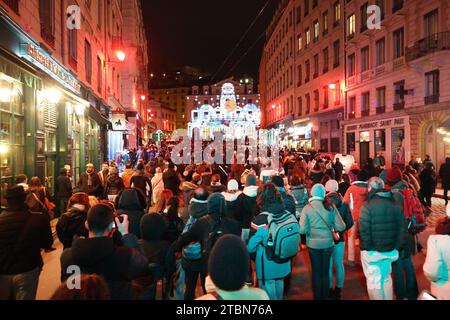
<point>229,107</point>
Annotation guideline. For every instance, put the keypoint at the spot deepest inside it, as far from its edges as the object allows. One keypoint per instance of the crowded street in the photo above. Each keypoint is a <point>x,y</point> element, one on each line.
<point>184,153</point>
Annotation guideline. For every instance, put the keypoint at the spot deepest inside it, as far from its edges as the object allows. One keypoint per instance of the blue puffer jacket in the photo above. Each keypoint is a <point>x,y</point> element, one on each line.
<point>266,269</point>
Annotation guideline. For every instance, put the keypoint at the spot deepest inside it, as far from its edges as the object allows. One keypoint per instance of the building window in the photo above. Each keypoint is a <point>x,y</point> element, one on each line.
<point>365,59</point>
<point>431,24</point>
<point>325,22</point>
<point>308,37</point>
<point>336,53</point>
<point>308,70</point>
<point>381,100</point>
<point>308,103</point>
<point>325,97</point>
<point>399,95</point>
<point>99,75</point>
<point>306,7</point>
<point>380,3</point>
<point>314,3</point>
<point>351,26</point>
<point>351,142</point>
<point>380,140</point>
<point>325,60</point>
<point>13,4</point>
<point>432,87</point>
<point>363,15</point>
<point>300,106</point>
<point>88,60</point>
<point>351,107</point>
<point>299,75</point>
<point>47,17</point>
<point>399,47</point>
<point>316,66</point>
<point>316,100</point>
<point>380,52</point>
<point>351,65</point>
<point>73,48</point>
<point>316,30</point>
<point>397,5</point>
<point>336,13</point>
<point>337,94</point>
<point>299,14</point>
<point>365,104</point>
<point>300,43</point>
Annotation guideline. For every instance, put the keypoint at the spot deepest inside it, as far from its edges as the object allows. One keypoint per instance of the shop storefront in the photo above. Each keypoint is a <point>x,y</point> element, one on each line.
<point>300,135</point>
<point>388,137</point>
<point>46,123</point>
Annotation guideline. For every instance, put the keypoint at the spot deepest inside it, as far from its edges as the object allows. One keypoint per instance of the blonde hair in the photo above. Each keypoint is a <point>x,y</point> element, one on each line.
<point>93,201</point>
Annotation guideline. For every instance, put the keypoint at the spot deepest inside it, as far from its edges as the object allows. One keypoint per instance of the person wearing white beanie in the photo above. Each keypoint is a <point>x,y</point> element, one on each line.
<point>231,196</point>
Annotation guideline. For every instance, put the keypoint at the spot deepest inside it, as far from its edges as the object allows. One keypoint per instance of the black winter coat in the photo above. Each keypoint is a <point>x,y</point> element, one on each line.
<point>63,187</point>
<point>171,181</point>
<point>118,265</point>
<point>114,185</point>
<point>427,182</point>
<point>22,236</point>
<point>381,223</point>
<point>95,189</point>
<point>141,182</point>
<point>444,172</point>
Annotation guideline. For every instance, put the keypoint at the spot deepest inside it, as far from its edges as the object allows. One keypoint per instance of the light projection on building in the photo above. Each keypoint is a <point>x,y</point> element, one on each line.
<point>233,121</point>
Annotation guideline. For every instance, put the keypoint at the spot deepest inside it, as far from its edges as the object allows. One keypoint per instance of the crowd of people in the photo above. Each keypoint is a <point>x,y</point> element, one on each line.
<point>236,228</point>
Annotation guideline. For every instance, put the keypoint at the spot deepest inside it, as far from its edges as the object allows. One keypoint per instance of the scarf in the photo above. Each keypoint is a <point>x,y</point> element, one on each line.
<point>89,179</point>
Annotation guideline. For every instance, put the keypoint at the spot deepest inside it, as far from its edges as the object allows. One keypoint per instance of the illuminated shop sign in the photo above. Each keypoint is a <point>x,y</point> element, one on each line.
<point>377,124</point>
<point>41,59</point>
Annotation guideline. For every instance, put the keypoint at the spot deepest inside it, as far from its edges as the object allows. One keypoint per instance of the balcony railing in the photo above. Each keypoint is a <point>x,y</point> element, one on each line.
<point>432,99</point>
<point>352,115</point>
<point>437,42</point>
<point>365,113</point>
<point>399,106</point>
<point>381,110</point>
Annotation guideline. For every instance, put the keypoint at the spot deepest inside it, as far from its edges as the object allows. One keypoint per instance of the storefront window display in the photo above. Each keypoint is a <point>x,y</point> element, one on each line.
<point>380,140</point>
<point>398,147</point>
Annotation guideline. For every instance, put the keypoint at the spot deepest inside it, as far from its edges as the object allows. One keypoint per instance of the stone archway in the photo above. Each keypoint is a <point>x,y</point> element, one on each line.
<point>427,136</point>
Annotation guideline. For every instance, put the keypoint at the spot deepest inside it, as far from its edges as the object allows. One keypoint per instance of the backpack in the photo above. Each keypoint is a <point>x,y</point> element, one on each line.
<point>216,232</point>
<point>284,237</point>
<point>192,251</point>
<point>414,211</point>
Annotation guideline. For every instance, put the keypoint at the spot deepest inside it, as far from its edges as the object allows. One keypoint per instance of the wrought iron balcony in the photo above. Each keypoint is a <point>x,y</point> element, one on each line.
<point>352,115</point>
<point>365,113</point>
<point>381,110</point>
<point>399,106</point>
<point>437,42</point>
<point>432,99</point>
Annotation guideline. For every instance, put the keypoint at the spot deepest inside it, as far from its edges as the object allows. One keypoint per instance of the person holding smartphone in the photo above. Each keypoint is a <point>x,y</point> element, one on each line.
<point>98,254</point>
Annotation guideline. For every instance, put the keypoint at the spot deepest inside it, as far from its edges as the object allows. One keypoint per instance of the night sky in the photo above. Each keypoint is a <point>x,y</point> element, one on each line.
<point>202,33</point>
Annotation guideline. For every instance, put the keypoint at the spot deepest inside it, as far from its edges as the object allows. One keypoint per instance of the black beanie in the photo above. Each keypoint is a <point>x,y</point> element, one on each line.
<point>217,205</point>
<point>228,263</point>
<point>278,181</point>
<point>363,176</point>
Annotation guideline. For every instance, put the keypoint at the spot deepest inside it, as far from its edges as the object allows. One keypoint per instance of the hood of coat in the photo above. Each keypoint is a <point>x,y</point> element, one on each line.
<point>89,252</point>
<point>298,188</point>
<point>198,208</point>
<point>231,197</point>
<point>273,208</point>
<point>443,228</point>
<point>335,198</point>
<point>129,200</point>
<point>251,191</point>
<point>114,178</point>
<point>401,185</point>
<point>381,193</point>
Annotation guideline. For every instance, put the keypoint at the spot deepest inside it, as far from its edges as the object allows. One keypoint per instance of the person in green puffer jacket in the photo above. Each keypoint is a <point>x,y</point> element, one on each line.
<point>381,230</point>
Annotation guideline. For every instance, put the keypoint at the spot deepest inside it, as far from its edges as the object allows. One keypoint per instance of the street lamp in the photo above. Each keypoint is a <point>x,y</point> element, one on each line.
<point>121,55</point>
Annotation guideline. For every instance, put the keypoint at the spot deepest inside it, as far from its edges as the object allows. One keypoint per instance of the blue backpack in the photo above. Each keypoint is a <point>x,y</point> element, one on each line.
<point>192,251</point>
<point>284,238</point>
